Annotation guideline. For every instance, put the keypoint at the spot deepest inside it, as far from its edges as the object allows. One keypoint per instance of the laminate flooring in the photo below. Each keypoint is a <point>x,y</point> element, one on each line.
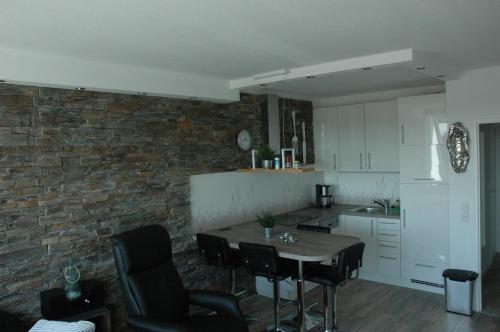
<point>491,288</point>
<point>369,306</point>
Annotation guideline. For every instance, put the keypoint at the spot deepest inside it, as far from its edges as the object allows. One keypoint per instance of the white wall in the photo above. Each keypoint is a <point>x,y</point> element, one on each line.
<point>497,230</point>
<point>473,98</point>
<point>229,198</point>
<point>361,188</point>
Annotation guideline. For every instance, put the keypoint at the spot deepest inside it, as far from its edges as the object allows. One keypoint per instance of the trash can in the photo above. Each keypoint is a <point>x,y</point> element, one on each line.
<point>459,290</point>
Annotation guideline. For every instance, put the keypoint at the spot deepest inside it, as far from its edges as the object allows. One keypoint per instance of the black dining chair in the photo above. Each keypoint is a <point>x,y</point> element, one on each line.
<point>264,261</point>
<point>349,261</point>
<point>154,293</point>
<point>217,252</point>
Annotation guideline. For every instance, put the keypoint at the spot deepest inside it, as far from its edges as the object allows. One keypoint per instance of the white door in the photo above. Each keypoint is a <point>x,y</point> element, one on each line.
<point>422,120</point>
<point>424,164</point>
<point>381,131</point>
<point>365,229</point>
<point>352,138</point>
<point>424,213</point>
<point>326,138</point>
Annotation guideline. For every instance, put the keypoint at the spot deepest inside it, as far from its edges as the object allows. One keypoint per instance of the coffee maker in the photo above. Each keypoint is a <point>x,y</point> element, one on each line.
<point>324,199</point>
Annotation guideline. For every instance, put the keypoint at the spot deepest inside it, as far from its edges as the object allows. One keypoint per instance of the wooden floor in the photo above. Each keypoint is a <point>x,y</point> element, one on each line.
<point>491,288</point>
<point>369,306</point>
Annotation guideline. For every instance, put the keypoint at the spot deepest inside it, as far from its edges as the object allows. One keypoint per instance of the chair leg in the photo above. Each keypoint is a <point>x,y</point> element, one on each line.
<point>276,293</point>
<point>327,310</point>
<point>233,280</point>
<point>334,308</point>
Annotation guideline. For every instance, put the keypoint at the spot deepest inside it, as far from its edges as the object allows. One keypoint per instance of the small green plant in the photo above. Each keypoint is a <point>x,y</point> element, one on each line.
<point>265,153</point>
<point>266,220</point>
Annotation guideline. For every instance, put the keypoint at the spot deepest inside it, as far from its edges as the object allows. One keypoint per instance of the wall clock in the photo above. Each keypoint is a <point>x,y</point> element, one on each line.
<point>244,140</point>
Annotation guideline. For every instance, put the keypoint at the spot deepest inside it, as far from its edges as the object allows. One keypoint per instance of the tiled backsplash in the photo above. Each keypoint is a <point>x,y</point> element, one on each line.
<point>222,199</point>
<point>361,188</point>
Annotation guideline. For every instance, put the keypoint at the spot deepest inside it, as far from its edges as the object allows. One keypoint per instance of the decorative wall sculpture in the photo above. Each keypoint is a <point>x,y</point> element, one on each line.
<point>458,146</point>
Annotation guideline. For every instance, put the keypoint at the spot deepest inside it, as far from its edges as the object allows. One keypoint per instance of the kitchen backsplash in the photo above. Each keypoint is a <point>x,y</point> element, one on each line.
<point>361,188</point>
<point>221,199</point>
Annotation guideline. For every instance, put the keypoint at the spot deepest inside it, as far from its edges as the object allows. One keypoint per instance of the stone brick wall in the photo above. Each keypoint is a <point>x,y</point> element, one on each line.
<point>78,166</point>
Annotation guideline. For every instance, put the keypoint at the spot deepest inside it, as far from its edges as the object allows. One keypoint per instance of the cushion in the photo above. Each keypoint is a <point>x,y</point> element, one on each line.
<point>56,326</point>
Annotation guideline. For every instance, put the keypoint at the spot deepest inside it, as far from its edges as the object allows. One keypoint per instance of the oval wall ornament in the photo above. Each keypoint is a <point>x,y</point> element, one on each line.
<point>458,147</point>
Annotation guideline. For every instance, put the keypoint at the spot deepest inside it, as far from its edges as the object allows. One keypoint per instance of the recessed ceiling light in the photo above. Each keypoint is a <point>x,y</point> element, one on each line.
<point>263,84</point>
<point>310,77</point>
<point>367,68</point>
<point>440,76</point>
<point>79,89</point>
<point>420,68</point>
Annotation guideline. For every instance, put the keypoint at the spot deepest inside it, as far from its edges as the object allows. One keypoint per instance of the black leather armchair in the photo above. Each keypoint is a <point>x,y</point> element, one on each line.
<point>155,296</point>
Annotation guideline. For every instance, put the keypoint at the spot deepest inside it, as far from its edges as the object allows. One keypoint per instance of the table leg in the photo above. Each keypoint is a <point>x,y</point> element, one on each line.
<point>300,298</point>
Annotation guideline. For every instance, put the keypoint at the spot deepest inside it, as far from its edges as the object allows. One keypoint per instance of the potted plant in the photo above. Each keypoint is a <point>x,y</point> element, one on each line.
<point>266,155</point>
<point>267,221</point>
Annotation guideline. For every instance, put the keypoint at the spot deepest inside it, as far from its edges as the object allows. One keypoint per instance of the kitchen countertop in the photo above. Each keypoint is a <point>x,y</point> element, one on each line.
<point>313,213</point>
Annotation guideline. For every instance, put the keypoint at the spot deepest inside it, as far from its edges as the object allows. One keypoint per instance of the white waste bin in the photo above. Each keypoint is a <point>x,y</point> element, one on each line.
<point>459,290</point>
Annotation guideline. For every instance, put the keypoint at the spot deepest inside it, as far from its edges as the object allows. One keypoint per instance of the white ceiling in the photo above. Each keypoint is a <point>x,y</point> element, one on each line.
<point>231,39</point>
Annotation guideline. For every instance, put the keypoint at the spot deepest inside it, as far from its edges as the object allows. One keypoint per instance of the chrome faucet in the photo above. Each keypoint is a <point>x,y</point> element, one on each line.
<point>386,205</point>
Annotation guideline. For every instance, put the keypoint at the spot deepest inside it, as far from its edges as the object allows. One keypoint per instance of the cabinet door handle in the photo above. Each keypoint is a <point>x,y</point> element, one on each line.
<point>386,257</point>
<point>387,223</point>
<point>334,161</point>
<point>369,161</point>
<point>402,134</point>
<point>424,179</point>
<point>372,229</point>
<point>361,161</point>
<point>404,218</point>
<point>427,266</point>
<point>387,234</point>
<point>386,246</point>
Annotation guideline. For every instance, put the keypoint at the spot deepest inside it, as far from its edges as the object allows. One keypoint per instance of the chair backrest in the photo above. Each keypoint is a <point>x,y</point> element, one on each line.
<point>214,248</point>
<point>149,280</point>
<point>350,260</point>
<point>260,259</point>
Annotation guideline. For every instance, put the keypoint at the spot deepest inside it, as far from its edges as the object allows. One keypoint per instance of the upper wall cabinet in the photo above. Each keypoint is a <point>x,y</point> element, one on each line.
<point>381,130</point>
<point>368,137</point>
<point>422,120</point>
<point>352,138</point>
<point>326,138</point>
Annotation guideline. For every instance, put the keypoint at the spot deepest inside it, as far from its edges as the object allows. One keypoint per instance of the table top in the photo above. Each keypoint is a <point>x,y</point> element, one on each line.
<point>310,247</point>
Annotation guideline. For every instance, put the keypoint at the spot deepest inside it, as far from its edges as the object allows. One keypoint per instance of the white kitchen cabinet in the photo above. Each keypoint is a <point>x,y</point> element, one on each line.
<point>422,120</point>
<point>352,138</point>
<point>381,131</point>
<point>365,228</point>
<point>424,217</point>
<point>326,138</point>
<point>389,247</point>
<point>424,164</point>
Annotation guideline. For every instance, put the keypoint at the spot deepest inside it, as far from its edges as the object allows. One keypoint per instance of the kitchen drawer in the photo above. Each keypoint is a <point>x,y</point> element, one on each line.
<point>424,272</point>
<point>387,246</point>
<point>389,235</point>
<point>389,224</point>
<point>389,264</point>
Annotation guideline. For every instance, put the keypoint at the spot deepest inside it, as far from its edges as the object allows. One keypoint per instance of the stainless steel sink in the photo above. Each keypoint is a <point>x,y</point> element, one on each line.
<point>369,209</point>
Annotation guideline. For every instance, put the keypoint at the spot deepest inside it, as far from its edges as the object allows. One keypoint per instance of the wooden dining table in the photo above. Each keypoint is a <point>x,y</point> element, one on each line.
<point>310,247</point>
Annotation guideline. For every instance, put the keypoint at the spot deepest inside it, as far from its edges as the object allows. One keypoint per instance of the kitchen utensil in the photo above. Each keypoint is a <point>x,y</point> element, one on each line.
<point>295,139</point>
<point>304,145</point>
